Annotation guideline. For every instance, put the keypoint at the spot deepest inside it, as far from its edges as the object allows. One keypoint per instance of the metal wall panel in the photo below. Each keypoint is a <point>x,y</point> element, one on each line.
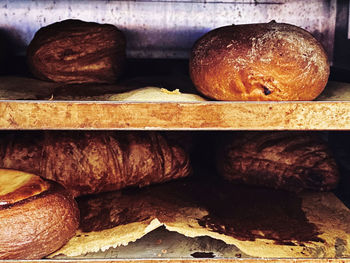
<point>166,28</point>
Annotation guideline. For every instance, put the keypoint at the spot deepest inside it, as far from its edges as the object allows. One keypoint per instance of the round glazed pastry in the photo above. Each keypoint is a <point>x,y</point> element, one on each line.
<point>37,216</point>
<point>74,51</point>
<point>271,61</point>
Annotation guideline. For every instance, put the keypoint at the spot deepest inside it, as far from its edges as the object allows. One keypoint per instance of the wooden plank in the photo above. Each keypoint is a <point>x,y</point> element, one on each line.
<point>179,260</point>
<point>317,115</point>
<point>27,103</point>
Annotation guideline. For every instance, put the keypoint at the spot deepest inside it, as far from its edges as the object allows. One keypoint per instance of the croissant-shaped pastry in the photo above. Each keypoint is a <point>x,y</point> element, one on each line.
<point>282,160</point>
<point>93,162</point>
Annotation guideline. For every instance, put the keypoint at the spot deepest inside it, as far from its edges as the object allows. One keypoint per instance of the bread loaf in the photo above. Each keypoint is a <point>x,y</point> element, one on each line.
<point>74,51</point>
<point>37,216</point>
<point>269,61</point>
<point>282,160</point>
<point>93,162</point>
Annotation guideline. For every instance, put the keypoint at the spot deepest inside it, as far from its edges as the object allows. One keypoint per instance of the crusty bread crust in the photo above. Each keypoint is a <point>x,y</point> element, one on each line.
<point>292,161</point>
<point>271,61</point>
<point>94,162</point>
<point>74,51</point>
<point>39,224</point>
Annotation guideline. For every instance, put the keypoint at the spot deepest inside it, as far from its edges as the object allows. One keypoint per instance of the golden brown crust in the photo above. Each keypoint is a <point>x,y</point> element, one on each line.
<point>38,225</point>
<point>101,161</point>
<point>281,160</point>
<point>271,61</point>
<point>74,51</point>
<point>16,186</point>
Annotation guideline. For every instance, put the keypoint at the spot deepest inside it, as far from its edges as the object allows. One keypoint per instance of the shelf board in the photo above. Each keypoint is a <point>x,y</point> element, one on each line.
<point>179,260</point>
<point>317,115</point>
<point>27,104</point>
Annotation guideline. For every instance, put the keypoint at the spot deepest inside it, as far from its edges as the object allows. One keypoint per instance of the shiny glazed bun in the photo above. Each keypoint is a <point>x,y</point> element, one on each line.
<point>270,61</point>
<point>37,216</point>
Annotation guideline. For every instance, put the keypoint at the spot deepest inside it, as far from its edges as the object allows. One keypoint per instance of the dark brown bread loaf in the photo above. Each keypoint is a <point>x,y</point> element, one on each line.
<point>93,162</point>
<point>74,51</point>
<point>281,160</point>
<point>271,61</point>
<point>37,216</point>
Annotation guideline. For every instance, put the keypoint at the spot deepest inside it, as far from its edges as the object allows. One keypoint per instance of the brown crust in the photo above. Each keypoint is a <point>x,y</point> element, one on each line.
<point>74,51</point>
<point>33,187</point>
<point>271,61</point>
<point>35,227</point>
<point>101,161</point>
<point>282,160</point>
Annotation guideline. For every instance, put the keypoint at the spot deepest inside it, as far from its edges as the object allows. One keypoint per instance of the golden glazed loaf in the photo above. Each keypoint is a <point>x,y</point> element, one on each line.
<point>271,61</point>
<point>74,51</point>
<point>282,160</point>
<point>37,216</point>
<point>93,162</point>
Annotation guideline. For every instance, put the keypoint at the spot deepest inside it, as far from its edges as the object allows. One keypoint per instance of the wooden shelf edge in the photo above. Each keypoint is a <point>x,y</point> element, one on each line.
<point>213,260</point>
<point>79,115</point>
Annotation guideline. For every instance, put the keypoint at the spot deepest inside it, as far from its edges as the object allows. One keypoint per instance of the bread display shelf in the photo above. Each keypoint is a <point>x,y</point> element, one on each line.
<point>32,104</point>
<point>29,104</point>
<point>38,105</point>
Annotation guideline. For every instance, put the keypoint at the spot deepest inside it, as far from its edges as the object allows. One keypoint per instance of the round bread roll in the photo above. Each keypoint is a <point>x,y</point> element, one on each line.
<point>271,61</point>
<point>75,51</point>
<point>37,216</point>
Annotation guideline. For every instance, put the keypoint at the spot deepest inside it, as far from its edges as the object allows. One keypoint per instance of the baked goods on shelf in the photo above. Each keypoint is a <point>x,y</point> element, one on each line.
<point>37,216</point>
<point>93,162</point>
<point>281,160</point>
<point>74,51</point>
<point>268,61</point>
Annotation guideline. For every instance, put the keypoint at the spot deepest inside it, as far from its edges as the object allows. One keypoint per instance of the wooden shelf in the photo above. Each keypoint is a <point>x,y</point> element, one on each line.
<point>320,115</point>
<point>31,104</point>
<point>179,260</point>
